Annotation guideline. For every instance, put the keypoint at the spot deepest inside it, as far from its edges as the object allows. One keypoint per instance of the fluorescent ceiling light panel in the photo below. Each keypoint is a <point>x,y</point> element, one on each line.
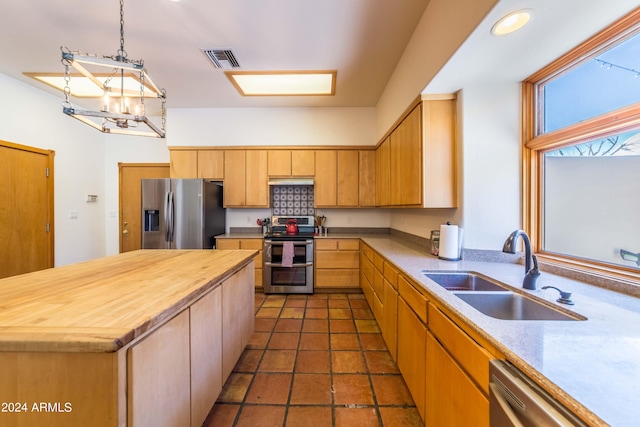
<point>82,87</point>
<point>512,22</point>
<point>283,83</point>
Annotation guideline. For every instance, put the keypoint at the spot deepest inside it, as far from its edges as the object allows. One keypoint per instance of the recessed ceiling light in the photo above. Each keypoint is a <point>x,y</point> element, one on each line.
<point>512,22</point>
<point>283,83</point>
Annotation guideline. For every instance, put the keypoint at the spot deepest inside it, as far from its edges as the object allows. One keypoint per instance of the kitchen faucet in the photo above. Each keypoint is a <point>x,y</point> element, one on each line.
<point>531,274</point>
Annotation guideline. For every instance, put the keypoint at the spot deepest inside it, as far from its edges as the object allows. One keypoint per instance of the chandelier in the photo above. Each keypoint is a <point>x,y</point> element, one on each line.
<point>123,109</point>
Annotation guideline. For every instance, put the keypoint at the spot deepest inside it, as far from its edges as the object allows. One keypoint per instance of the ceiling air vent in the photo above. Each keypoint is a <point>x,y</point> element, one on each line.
<point>221,58</point>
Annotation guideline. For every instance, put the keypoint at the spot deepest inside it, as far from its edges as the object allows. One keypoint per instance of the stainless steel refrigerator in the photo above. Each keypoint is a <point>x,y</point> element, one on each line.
<point>181,213</point>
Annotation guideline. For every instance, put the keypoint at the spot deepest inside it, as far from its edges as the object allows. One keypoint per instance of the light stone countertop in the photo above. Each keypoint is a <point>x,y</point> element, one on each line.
<point>593,365</point>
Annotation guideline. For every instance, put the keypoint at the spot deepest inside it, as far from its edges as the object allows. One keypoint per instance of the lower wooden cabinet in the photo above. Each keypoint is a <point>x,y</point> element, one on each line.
<point>452,398</point>
<point>255,244</point>
<point>336,263</point>
<point>412,348</point>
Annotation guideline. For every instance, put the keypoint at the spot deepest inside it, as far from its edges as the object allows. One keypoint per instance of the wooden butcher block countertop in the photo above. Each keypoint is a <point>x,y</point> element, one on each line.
<point>103,304</point>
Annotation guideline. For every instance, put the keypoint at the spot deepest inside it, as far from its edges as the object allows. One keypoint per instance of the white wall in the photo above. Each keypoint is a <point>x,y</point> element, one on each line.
<point>270,126</point>
<point>34,118</point>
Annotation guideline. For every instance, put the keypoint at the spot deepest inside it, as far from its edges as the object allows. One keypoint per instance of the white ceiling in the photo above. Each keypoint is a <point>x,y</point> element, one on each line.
<point>361,39</point>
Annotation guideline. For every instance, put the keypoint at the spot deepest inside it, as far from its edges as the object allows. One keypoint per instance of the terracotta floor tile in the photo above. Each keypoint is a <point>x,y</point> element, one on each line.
<point>339,326</point>
<point>273,301</point>
<point>277,361</point>
<point>270,388</point>
<point>249,361</point>
<point>337,296</point>
<point>347,362</point>
<point>295,302</point>
<point>366,326</point>
<point>344,342</point>
<point>372,342</point>
<point>314,341</point>
<point>362,313</point>
<point>258,340</point>
<point>356,296</point>
<point>221,415</point>
<point>284,341</point>
<point>361,417</point>
<point>391,390</point>
<point>400,417</point>
<point>261,415</point>
<point>339,303</point>
<point>317,296</point>
<point>264,324</point>
<point>352,389</point>
<point>340,313</point>
<point>380,362</point>
<point>292,313</point>
<point>359,303</point>
<point>317,303</point>
<point>311,389</point>
<point>272,312</point>
<point>288,325</point>
<point>259,299</point>
<point>235,388</point>
<point>316,313</point>
<point>309,416</point>
<point>315,361</point>
<point>315,325</point>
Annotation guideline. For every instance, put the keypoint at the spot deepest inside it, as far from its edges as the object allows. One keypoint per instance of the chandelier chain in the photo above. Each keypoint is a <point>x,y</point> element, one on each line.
<point>122,52</point>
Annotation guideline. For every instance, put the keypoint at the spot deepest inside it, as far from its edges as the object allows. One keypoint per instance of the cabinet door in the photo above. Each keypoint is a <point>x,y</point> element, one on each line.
<point>406,161</point>
<point>183,164</point>
<point>211,164</point>
<point>206,354</point>
<point>279,162</point>
<point>303,163</point>
<point>390,319</point>
<point>383,173</point>
<point>439,158</point>
<point>255,244</point>
<point>347,174</point>
<point>325,178</point>
<point>411,353</point>
<point>158,376</point>
<point>452,399</point>
<point>234,178</point>
<point>367,178</point>
<point>256,182</point>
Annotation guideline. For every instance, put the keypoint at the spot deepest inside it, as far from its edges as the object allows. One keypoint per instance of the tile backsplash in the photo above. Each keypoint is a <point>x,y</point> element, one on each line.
<point>289,200</point>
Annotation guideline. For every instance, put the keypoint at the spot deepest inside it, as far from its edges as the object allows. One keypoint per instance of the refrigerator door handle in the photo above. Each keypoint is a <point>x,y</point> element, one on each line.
<point>171,217</point>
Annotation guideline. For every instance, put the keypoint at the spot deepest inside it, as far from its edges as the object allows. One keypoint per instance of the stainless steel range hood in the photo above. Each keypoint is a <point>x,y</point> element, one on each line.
<point>291,181</point>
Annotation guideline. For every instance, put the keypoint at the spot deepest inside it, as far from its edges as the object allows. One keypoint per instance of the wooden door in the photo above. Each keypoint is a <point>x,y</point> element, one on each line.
<point>130,198</point>
<point>347,175</point>
<point>26,213</point>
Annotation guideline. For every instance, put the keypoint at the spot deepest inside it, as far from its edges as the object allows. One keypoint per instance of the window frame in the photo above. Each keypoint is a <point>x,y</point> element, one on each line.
<point>536,144</point>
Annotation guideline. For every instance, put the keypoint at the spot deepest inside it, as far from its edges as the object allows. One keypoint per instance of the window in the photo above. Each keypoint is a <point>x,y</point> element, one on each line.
<point>582,154</point>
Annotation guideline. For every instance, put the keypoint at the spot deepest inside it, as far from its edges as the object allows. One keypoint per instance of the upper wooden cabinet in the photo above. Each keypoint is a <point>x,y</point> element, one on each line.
<point>207,164</point>
<point>347,185</point>
<point>367,178</point>
<point>325,179</point>
<point>291,163</point>
<point>245,183</point>
<point>344,178</point>
<point>415,163</point>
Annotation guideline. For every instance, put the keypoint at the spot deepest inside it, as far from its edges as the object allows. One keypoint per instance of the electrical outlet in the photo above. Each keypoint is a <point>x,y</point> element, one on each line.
<point>73,214</point>
<point>248,220</point>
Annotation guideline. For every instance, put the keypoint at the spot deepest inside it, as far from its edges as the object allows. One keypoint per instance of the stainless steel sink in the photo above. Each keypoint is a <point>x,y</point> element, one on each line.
<point>464,281</point>
<point>511,306</point>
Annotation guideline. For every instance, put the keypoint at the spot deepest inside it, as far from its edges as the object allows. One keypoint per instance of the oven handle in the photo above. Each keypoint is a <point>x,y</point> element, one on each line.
<point>280,242</point>
<point>271,264</point>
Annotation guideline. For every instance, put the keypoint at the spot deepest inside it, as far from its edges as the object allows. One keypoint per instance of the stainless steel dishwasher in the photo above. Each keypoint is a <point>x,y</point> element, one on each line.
<point>515,400</point>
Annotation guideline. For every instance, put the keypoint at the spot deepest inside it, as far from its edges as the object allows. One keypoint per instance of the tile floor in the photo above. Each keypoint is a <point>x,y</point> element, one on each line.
<point>316,360</point>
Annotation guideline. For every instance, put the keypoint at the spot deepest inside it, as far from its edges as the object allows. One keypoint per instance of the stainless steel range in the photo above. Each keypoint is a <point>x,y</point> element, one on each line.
<point>288,256</point>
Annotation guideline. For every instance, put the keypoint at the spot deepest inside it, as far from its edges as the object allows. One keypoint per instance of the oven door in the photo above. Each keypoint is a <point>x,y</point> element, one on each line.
<point>295,279</point>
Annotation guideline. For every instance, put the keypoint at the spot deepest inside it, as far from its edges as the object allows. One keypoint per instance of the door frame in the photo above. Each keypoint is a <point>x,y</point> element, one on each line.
<point>50,195</point>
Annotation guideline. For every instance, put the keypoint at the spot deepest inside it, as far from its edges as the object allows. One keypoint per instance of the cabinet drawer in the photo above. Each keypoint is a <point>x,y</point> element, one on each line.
<point>367,268</point>
<point>391,274</point>
<point>413,297</point>
<point>348,245</point>
<point>326,245</point>
<point>378,283</point>
<point>378,262</point>
<point>336,278</point>
<point>337,260</point>
<point>226,244</point>
<point>251,244</point>
<point>470,355</point>
<point>367,251</point>
<point>378,309</point>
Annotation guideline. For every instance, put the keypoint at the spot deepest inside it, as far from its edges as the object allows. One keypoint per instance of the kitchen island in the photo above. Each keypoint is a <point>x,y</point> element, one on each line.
<point>141,338</point>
